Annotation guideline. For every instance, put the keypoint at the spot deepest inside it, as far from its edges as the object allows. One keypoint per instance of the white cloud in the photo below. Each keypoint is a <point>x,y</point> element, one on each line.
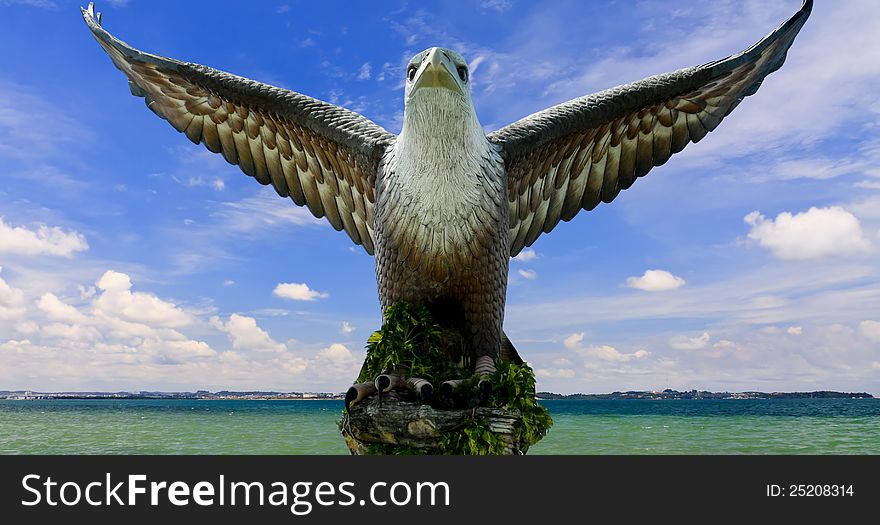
<point>499,6</point>
<point>112,334</point>
<point>870,329</point>
<point>815,233</point>
<point>194,181</point>
<point>528,274</point>
<point>27,327</point>
<point>11,301</point>
<point>297,292</point>
<point>526,255</point>
<point>655,281</point>
<point>574,342</point>
<point>555,372</point>
<point>45,4</point>
<point>794,330</point>
<point>690,343</point>
<point>68,333</point>
<point>347,328</point>
<point>118,301</point>
<point>335,361</point>
<point>261,213</point>
<point>246,335</point>
<point>336,352</point>
<point>365,72</point>
<point>57,310</point>
<point>43,240</point>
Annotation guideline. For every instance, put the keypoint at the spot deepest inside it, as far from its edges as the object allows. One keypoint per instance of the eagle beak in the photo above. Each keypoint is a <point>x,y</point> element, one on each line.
<point>437,72</point>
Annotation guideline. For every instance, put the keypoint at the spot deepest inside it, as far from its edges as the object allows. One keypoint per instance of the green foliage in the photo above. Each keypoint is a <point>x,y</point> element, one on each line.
<point>475,439</point>
<point>410,340</point>
<point>513,388</point>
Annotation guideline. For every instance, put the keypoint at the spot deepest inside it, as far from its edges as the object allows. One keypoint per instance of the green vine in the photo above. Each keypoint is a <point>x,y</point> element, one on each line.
<point>410,340</point>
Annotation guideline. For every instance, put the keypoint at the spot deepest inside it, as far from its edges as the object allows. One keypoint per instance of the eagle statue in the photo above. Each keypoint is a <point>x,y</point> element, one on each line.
<point>443,206</point>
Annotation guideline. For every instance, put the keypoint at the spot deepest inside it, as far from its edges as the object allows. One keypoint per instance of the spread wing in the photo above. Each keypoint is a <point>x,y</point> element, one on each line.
<point>572,156</point>
<point>318,154</point>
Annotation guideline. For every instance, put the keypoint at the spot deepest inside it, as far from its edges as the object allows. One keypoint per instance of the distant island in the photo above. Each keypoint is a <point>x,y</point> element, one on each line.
<point>269,395</point>
<point>200,394</point>
<point>702,394</point>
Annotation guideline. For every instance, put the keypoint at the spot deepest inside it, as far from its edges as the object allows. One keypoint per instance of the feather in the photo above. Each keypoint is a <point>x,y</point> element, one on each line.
<point>210,136</point>
<point>662,144</point>
<point>680,135</point>
<point>227,141</point>
<point>695,128</point>
<point>243,150</point>
<point>194,130</point>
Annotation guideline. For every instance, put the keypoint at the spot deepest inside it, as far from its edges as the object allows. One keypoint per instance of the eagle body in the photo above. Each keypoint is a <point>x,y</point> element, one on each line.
<point>441,221</point>
<point>443,206</point>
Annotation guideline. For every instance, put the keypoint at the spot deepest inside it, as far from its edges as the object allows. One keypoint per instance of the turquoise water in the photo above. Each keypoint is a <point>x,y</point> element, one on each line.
<point>789,426</point>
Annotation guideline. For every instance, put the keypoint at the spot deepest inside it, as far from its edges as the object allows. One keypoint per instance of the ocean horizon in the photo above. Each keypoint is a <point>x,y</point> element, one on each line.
<point>294,427</point>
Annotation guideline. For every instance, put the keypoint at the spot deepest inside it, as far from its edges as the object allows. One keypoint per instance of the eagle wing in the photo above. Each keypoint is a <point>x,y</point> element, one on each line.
<point>576,154</point>
<point>320,155</point>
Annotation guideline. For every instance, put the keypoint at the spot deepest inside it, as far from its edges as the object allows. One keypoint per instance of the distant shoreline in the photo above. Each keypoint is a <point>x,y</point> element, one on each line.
<point>227,395</point>
<point>703,394</point>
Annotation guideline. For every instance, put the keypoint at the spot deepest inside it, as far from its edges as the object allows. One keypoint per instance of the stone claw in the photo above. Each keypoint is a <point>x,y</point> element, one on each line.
<point>388,382</point>
<point>484,367</point>
<point>423,388</point>
<point>448,387</point>
<point>358,392</point>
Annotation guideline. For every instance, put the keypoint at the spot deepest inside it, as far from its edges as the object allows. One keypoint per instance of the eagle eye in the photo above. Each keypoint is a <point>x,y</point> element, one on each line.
<point>411,72</point>
<point>462,73</point>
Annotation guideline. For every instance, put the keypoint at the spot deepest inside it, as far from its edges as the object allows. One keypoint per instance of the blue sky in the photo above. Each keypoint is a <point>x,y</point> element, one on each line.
<point>132,259</point>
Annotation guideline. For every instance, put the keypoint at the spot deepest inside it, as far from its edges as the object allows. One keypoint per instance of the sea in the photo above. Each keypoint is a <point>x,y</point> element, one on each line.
<point>731,426</point>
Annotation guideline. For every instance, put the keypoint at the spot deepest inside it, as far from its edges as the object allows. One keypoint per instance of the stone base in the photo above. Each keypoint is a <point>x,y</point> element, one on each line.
<point>401,420</point>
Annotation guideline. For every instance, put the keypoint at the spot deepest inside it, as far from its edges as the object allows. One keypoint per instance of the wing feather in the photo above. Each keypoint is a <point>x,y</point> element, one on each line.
<point>585,151</point>
<point>320,155</point>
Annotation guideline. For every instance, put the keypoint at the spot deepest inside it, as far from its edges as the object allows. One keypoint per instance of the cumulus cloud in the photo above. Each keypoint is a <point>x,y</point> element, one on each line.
<point>117,300</point>
<point>335,361</point>
<point>43,240</point>
<point>297,292</point>
<point>108,330</point>
<point>57,310</point>
<point>870,329</point>
<point>113,336</point>
<point>11,301</point>
<point>528,274</point>
<point>655,281</point>
<point>574,342</point>
<point>563,373</point>
<point>246,335</point>
<point>813,234</point>
<point>794,330</point>
<point>336,352</point>
<point>526,255</point>
<point>683,342</point>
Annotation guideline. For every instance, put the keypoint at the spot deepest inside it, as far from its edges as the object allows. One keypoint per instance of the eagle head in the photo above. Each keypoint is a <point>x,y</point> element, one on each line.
<point>437,92</point>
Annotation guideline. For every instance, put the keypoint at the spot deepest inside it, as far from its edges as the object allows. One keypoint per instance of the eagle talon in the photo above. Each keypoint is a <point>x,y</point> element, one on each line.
<point>447,388</point>
<point>358,392</point>
<point>423,388</point>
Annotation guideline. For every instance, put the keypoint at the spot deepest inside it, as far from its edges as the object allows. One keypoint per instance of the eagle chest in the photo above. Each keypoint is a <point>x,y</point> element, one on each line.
<point>442,228</point>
